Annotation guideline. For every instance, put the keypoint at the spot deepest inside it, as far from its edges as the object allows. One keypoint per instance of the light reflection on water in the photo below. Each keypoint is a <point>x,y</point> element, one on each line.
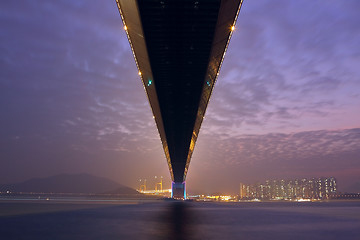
<point>329,220</point>
<point>176,221</point>
<point>158,220</point>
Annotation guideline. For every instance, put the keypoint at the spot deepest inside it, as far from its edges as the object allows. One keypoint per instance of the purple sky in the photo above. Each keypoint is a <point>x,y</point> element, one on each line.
<point>286,103</point>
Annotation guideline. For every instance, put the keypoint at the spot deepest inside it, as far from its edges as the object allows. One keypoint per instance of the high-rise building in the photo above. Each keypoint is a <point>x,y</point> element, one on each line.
<point>314,188</point>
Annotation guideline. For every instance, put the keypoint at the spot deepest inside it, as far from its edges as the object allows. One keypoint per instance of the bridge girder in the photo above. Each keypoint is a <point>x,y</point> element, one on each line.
<point>178,48</point>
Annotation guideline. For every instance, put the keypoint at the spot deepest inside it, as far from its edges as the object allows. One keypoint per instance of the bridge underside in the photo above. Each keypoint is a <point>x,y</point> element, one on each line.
<point>179,47</point>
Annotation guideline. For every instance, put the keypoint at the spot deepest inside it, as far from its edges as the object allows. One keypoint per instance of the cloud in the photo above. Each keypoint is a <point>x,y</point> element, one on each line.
<point>312,148</point>
<point>75,71</point>
<point>226,160</point>
<point>289,67</point>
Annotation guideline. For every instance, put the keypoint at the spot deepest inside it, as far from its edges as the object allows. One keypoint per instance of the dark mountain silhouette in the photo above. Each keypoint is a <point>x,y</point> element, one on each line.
<point>69,183</point>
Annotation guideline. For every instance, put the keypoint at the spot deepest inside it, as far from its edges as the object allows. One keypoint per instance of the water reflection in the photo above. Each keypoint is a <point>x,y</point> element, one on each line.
<point>177,221</point>
<point>180,220</point>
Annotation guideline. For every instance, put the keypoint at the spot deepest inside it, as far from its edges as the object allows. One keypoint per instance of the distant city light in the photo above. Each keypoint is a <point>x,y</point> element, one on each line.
<point>315,188</point>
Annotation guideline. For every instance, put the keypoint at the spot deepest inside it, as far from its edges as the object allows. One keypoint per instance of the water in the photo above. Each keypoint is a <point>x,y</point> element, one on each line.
<point>135,219</point>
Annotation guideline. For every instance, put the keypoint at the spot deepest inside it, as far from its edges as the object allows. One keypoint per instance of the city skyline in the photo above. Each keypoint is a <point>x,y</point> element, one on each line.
<point>285,103</point>
<point>306,188</point>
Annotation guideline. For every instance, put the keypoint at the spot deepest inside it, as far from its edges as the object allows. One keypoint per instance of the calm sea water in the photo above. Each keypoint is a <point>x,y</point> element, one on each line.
<point>50,220</point>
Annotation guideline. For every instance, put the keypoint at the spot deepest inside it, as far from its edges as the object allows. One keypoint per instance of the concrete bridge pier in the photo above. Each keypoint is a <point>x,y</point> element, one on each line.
<point>178,190</point>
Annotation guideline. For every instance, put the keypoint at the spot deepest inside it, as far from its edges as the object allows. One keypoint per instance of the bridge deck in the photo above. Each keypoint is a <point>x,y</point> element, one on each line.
<point>179,47</point>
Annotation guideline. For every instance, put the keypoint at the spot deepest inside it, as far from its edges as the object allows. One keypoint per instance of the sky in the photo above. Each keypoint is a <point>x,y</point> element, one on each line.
<point>285,105</point>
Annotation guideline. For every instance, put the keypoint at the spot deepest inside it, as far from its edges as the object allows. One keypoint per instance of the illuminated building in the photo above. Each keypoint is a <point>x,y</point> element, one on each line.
<point>242,190</point>
<point>314,188</point>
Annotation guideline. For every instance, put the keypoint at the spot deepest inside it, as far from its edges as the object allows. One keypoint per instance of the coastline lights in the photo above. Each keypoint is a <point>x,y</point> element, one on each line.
<point>232,28</point>
<point>125,27</point>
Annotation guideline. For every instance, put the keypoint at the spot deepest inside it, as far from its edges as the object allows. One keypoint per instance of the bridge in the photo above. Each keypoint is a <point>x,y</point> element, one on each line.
<point>179,46</point>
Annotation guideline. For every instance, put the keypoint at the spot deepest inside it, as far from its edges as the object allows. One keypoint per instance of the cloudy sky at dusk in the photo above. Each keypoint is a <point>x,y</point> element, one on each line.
<point>286,103</point>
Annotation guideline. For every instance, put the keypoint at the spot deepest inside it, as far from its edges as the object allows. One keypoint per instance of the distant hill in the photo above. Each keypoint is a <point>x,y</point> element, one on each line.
<point>69,183</point>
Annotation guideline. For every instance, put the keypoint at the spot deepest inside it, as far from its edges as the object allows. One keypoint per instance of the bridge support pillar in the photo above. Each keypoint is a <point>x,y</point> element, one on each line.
<point>178,190</point>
